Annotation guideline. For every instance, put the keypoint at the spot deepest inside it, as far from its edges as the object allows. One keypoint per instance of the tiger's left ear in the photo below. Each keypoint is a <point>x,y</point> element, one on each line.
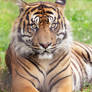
<point>22,5</point>
<point>61,3</point>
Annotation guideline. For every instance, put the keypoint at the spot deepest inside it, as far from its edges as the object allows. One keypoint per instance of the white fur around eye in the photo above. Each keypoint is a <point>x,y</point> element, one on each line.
<point>37,20</point>
<point>51,19</point>
<point>61,35</point>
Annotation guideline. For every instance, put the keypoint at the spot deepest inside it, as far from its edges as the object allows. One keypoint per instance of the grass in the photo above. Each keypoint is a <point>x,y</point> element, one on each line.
<point>78,12</point>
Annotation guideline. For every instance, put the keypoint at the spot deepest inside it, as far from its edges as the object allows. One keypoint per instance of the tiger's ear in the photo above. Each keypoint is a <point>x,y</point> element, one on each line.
<point>22,5</point>
<point>61,2</point>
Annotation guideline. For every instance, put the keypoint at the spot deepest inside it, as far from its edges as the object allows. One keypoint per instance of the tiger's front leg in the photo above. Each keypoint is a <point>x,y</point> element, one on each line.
<point>64,86</point>
<point>21,85</point>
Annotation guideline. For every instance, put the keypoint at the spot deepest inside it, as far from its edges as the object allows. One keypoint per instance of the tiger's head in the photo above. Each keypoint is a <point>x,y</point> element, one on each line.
<point>41,29</point>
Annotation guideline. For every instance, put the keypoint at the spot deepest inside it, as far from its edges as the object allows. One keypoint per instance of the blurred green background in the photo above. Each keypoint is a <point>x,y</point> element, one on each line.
<point>78,12</point>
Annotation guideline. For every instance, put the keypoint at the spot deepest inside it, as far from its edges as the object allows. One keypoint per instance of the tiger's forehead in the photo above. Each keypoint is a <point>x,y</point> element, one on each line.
<point>40,11</point>
<point>39,5</point>
<point>42,8</point>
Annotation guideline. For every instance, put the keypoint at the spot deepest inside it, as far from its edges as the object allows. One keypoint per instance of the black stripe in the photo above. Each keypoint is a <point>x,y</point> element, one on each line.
<point>88,59</point>
<point>89,48</point>
<point>58,81</point>
<point>26,11</point>
<point>75,66</point>
<point>61,33</point>
<point>37,13</point>
<point>40,7</point>
<point>88,55</point>
<point>24,26</point>
<point>49,12</point>
<point>28,72</point>
<point>76,55</point>
<point>59,14</point>
<point>84,58</point>
<point>19,28</point>
<point>24,14</point>
<point>25,78</point>
<point>59,73</point>
<point>27,16</point>
<point>23,64</point>
<point>57,64</point>
<point>34,9</point>
<point>35,64</point>
<point>62,23</point>
<point>78,62</point>
<point>65,35</point>
<point>55,60</point>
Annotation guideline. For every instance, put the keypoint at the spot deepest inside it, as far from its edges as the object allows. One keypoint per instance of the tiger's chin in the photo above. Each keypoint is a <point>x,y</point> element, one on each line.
<point>45,56</point>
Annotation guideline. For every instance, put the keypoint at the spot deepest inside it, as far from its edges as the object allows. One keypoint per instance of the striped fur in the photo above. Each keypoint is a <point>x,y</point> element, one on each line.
<point>81,64</point>
<point>41,56</point>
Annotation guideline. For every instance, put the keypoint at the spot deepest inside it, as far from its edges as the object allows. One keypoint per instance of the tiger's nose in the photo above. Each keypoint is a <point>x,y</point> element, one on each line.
<point>45,45</point>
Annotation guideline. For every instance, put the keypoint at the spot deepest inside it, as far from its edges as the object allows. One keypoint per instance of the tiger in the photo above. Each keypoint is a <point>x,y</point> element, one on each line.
<point>42,55</point>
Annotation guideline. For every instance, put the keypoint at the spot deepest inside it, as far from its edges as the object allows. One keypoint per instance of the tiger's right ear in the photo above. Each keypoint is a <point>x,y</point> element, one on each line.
<point>22,5</point>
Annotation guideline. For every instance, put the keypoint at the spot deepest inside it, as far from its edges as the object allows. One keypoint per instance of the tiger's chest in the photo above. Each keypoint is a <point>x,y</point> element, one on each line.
<point>45,78</point>
<point>44,87</point>
<point>46,83</point>
<point>50,79</point>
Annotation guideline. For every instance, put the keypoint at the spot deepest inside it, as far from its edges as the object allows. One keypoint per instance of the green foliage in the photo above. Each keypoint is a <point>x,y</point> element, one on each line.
<point>78,12</point>
<point>8,13</point>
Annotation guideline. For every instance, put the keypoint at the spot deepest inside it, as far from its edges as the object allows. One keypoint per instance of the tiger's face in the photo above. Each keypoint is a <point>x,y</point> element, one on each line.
<point>41,29</point>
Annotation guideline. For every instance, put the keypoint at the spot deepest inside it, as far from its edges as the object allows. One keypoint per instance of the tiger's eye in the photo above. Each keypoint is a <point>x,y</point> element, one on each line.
<point>54,25</point>
<point>33,26</point>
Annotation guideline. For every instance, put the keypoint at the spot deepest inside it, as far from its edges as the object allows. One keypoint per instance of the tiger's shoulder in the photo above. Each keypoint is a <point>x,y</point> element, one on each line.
<point>82,50</point>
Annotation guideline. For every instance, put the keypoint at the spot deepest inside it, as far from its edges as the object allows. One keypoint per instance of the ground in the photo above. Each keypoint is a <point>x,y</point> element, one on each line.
<point>78,12</point>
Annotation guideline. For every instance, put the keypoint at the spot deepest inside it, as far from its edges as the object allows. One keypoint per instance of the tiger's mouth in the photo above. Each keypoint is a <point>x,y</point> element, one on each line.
<point>44,51</point>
